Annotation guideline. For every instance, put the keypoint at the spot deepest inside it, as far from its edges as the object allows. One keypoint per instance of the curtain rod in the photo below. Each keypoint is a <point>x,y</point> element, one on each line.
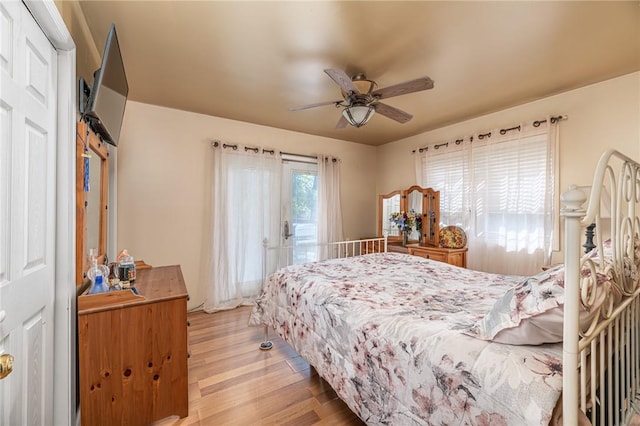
<point>217,143</point>
<point>310,157</point>
<point>536,123</point>
<point>314,157</point>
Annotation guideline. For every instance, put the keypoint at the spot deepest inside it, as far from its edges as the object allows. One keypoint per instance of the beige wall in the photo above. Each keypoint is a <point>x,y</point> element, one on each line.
<point>163,178</point>
<point>601,116</point>
<point>88,56</point>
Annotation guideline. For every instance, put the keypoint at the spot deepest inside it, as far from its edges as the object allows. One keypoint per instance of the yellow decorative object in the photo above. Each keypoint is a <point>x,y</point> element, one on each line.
<point>452,237</point>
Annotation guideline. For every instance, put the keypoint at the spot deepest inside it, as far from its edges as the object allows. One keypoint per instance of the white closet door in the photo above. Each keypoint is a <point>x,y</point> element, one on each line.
<point>27,215</point>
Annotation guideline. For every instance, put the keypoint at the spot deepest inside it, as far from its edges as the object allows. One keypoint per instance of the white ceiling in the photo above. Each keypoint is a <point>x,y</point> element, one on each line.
<point>251,61</point>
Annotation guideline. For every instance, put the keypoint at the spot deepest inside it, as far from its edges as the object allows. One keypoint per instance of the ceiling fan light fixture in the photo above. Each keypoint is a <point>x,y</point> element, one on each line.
<point>358,115</point>
<point>361,98</point>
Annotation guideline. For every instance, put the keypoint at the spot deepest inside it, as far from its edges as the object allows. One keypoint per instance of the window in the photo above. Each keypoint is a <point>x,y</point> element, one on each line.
<point>447,171</point>
<point>509,193</point>
<point>501,190</point>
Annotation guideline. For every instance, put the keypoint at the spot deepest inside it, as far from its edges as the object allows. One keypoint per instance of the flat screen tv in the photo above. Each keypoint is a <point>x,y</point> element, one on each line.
<point>108,97</point>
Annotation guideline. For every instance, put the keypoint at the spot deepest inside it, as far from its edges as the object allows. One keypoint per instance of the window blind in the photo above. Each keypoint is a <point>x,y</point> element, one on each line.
<point>501,190</point>
<point>448,172</point>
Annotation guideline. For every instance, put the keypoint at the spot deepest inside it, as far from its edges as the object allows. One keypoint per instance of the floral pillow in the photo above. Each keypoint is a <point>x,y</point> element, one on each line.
<point>531,312</point>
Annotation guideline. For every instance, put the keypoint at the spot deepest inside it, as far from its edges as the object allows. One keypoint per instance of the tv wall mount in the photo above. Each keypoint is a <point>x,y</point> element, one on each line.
<point>83,95</point>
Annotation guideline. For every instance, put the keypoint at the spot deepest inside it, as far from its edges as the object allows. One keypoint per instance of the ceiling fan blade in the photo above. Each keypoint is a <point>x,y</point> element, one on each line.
<point>298,108</point>
<point>342,123</point>
<point>422,83</point>
<point>392,113</point>
<point>343,80</point>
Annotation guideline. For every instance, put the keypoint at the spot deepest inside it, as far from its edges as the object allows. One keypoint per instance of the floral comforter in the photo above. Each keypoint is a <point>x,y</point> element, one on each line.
<point>387,331</point>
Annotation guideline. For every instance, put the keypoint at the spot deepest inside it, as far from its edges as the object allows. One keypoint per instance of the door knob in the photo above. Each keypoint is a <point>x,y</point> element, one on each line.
<point>6,365</point>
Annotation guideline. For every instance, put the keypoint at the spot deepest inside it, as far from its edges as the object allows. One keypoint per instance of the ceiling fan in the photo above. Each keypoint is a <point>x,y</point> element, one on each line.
<point>361,99</point>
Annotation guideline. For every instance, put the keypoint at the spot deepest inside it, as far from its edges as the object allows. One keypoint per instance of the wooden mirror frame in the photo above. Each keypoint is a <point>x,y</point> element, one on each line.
<point>430,213</point>
<point>95,146</point>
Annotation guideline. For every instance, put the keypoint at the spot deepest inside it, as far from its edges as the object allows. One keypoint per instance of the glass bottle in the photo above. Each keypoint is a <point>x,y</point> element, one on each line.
<point>96,271</point>
<point>98,284</point>
<point>126,268</point>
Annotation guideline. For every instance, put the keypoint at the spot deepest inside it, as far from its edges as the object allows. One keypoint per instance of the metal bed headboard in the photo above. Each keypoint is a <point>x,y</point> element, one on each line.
<point>601,365</point>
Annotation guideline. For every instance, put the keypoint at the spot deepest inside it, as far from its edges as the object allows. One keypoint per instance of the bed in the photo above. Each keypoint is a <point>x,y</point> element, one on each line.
<point>406,340</point>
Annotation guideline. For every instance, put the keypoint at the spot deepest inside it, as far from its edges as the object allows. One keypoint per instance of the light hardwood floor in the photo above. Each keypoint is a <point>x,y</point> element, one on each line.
<point>233,382</point>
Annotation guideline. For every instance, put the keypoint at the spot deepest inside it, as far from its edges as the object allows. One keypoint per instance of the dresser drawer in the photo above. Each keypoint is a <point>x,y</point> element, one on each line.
<point>430,254</point>
<point>456,257</point>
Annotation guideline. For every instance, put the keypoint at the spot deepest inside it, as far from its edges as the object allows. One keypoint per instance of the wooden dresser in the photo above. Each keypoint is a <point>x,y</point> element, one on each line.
<point>133,351</point>
<point>456,257</point>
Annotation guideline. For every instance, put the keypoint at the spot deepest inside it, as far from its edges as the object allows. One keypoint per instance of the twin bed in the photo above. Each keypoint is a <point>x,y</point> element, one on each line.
<point>406,340</point>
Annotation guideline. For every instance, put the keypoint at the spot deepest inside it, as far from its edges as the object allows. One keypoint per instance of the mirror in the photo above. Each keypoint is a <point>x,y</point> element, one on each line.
<point>92,216</point>
<point>388,204</point>
<point>423,201</point>
<point>414,203</point>
<point>91,205</point>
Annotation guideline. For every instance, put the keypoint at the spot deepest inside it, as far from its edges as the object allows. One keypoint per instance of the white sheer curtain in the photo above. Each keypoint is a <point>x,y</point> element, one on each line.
<point>329,208</point>
<point>445,167</point>
<point>514,189</point>
<point>245,210</point>
<point>501,188</point>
